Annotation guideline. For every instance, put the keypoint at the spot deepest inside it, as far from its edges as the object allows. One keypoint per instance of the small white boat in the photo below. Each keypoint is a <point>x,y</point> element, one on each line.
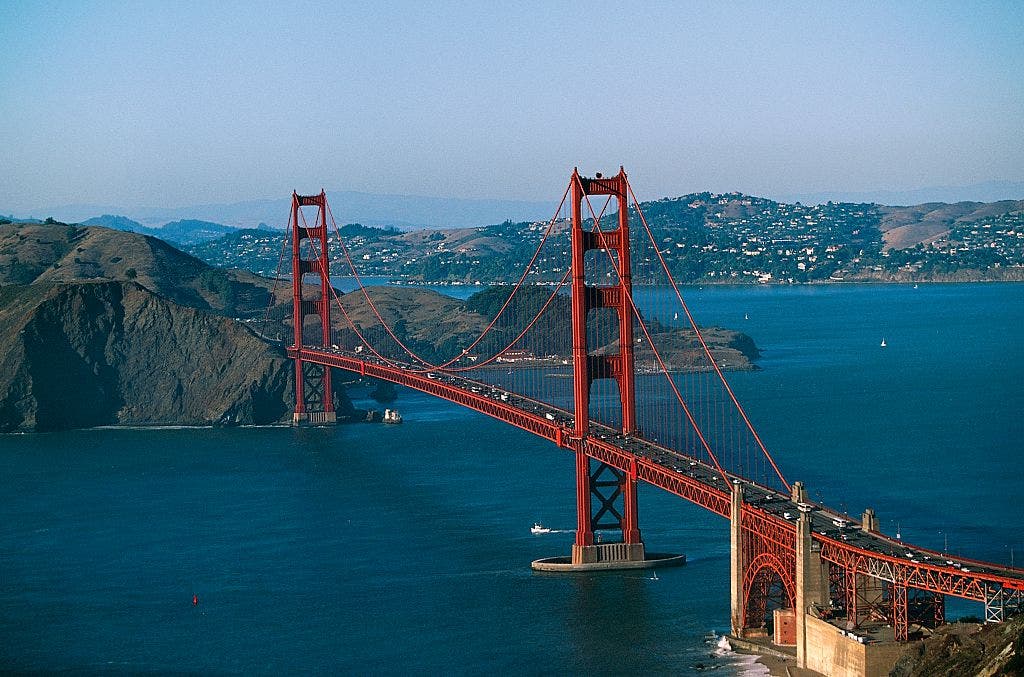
<point>883,343</point>
<point>676,316</point>
<point>391,416</point>
<point>539,528</point>
<point>746,316</point>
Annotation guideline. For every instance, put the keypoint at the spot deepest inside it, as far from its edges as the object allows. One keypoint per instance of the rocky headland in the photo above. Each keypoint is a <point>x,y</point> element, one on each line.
<point>102,327</point>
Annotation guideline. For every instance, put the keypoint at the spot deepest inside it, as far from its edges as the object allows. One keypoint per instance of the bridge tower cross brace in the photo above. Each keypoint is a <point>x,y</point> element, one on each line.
<point>587,368</point>
<point>312,381</point>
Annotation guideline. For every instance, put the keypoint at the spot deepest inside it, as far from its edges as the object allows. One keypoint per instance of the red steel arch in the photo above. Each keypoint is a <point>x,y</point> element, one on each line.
<point>759,572</point>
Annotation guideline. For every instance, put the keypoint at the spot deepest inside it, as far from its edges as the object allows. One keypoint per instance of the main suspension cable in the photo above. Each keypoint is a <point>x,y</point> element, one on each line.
<point>654,348</point>
<point>277,276</point>
<point>427,364</point>
<point>534,321</point>
<point>704,345</point>
<point>321,262</point>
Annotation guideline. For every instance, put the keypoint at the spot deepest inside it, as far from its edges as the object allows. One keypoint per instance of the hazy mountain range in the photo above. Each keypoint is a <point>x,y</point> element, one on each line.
<point>989,191</point>
<point>404,211</point>
<point>186,231</point>
<point>412,212</point>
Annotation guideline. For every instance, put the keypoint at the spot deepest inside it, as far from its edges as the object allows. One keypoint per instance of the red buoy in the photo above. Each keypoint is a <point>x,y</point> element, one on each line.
<point>195,600</point>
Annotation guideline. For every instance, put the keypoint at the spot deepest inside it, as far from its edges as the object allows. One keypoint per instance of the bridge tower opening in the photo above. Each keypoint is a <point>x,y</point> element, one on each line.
<point>605,496</point>
<point>314,397</point>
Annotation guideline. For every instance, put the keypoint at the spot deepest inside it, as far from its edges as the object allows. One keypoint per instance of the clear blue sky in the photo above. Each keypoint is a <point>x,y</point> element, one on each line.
<point>177,103</point>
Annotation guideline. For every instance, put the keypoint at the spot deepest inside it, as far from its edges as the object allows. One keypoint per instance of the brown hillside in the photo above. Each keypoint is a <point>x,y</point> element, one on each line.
<point>428,322</point>
<point>904,227</point>
<point>438,326</point>
<point>467,240</point>
<point>101,353</point>
<point>45,253</point>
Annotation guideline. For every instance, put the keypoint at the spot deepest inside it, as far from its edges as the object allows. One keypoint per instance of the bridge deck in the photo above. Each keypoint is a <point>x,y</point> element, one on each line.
<point>841,540</point>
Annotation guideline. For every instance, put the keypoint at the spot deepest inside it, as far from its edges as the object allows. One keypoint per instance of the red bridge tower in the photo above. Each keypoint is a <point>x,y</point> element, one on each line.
<point>314,398</point>
<point>615,491</point>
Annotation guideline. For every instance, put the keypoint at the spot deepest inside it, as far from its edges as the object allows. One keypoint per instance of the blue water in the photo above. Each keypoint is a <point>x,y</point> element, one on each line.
<point>396,549</point>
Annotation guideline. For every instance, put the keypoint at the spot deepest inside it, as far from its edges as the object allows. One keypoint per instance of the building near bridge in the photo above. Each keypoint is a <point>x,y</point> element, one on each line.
<point>515,355</point>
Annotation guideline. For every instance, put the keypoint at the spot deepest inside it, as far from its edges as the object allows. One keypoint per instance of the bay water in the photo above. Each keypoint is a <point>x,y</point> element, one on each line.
<point>394,549</point>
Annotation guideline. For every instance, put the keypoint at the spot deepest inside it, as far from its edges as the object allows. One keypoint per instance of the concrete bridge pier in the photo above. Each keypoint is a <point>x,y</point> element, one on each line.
<point>811,583</point>
<point>615,492</point>
<point>822,646</point>
<point>314,395</point>
<point>318,418</point>
<point>736,558</point>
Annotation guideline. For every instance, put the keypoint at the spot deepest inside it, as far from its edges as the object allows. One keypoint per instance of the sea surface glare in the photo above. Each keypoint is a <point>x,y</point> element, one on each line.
<point>373,549</point>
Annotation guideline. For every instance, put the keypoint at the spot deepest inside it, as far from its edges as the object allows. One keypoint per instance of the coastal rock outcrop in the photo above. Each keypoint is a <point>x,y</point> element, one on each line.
<point>115,353</point>
<point>961,649</point>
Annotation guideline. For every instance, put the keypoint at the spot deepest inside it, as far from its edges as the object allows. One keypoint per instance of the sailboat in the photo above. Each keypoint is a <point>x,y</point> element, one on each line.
<point>676,316</point>
<point>883,343</point>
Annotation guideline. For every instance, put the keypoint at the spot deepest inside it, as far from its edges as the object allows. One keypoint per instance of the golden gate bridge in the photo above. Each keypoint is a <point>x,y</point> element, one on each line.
<point>636,395</point>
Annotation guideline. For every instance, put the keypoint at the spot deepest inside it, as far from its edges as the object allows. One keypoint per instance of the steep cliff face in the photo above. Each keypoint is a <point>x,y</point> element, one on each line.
<point>87,354</point>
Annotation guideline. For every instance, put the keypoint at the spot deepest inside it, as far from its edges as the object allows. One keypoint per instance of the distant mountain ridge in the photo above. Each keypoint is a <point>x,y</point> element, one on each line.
<point>414,212</point>
<point>406,211</point>
<point>116,222</point>
<point>988,191</point>
<point>184,232</point>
